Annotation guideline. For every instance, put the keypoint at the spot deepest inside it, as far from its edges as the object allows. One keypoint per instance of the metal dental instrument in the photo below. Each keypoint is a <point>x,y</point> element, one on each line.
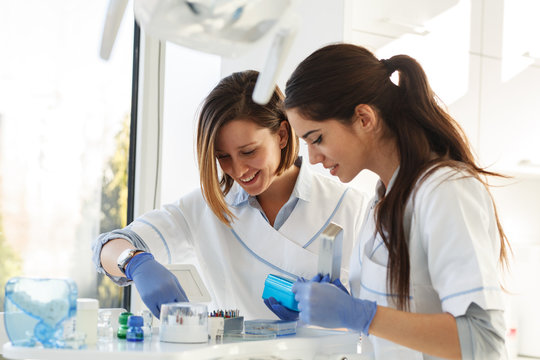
<point>330,246</point>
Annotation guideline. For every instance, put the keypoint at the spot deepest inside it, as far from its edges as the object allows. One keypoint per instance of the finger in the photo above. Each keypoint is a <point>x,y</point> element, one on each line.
<point>156,311</point>
<point>272,300</point>
<point>296,286</point>
<point>303,317</point>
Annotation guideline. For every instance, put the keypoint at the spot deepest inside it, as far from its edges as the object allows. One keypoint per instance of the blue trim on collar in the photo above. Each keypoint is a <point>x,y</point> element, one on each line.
<point>328,220</point>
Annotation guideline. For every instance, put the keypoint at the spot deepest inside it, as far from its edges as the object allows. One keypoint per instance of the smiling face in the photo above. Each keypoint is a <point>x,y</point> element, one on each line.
<point>250,154</point>
<point>344,150</point>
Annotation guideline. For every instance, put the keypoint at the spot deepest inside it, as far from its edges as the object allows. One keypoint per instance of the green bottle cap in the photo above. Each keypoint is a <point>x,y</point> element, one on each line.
<point>123,318</point>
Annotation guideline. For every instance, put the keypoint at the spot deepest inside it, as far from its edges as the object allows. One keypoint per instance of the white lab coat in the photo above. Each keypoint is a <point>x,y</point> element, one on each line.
<point>235,262</point>
<point>453,248</point>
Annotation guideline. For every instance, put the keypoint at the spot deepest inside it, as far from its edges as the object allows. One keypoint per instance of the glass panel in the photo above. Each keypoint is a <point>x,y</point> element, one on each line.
<point>189,76</point>
<point>64,134</point>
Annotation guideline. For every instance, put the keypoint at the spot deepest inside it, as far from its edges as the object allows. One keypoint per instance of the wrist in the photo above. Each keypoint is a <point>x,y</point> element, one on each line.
<point>364,312</point>
<point>125,257</point>
<point>136,262</point>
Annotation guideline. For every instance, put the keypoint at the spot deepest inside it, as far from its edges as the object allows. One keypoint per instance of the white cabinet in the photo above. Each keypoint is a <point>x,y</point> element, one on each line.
<point>509,125</point>
<point>393,18</point>
<point>511,28</point>
<point>479,58</point>
<point>445,49</point>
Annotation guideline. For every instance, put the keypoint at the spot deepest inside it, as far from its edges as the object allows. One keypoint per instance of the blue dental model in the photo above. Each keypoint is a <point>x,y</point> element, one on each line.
<point>36,311</point>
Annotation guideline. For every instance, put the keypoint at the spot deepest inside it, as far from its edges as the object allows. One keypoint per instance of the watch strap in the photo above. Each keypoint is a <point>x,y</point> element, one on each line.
<point>125,257</point>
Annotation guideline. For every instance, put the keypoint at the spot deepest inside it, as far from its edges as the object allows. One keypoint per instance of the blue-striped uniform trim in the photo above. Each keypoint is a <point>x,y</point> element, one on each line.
<point>376,248</point>
<point>490,288</point>
<point>160,236</point>
<point>261,259</point>
<point>328,220</point>
<point>380,293</point>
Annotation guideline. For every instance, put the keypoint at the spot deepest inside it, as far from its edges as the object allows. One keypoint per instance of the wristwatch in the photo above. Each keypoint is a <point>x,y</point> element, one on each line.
<point>125,257</point>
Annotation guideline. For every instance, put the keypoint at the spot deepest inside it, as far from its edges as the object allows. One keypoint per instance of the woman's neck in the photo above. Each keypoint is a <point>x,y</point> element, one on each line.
<point>273,199</point>
<point>387,161</point>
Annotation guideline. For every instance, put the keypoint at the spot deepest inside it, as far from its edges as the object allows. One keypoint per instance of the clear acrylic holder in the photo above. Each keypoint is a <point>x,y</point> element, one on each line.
<point>41,311</point>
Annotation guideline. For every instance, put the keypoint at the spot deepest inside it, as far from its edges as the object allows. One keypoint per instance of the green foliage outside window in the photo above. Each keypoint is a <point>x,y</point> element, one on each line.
<point>10,264</point>
<point>114,207</point>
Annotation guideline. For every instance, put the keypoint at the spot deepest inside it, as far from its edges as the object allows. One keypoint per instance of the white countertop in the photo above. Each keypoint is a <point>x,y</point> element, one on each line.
<point>305,344</point>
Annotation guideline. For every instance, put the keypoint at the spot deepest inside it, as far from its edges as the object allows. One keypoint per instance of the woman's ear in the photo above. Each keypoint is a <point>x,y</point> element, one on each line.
<point>283,133</point>
<point>365,117</point>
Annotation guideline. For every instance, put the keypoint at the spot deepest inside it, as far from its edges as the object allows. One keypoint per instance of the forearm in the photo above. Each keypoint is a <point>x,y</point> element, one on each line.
<point>110,253</point>
<point>434,334</point>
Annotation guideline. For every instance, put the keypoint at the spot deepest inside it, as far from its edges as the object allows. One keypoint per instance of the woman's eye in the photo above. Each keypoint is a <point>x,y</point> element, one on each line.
<point>221,157</point>
<point>317,140</point>
<point>248,152</point>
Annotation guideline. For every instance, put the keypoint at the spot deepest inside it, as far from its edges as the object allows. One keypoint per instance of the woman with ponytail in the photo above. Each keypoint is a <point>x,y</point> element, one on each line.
<point>425,271</point>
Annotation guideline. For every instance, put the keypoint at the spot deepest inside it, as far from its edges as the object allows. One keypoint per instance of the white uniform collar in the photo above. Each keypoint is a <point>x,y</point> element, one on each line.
<point>381,190</point>
<point>237,196</point>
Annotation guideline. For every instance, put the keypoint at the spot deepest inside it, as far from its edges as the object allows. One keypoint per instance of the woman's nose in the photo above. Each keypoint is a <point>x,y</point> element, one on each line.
<point>315,156</point>
<point>239,168</point>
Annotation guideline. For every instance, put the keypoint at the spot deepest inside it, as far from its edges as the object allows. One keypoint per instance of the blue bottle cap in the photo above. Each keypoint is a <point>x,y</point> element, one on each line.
<point>135,320</point>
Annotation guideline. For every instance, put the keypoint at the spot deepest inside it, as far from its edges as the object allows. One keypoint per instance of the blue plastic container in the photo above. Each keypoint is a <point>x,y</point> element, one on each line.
<point>280,288</point>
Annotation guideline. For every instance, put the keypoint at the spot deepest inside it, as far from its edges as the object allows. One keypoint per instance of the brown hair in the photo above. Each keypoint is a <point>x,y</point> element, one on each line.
<point>229,100</point>
<point>332,81</point>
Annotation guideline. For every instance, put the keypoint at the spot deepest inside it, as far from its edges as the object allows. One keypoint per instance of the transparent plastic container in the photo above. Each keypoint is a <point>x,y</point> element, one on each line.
<point>105,329</point>
<point>147,323</point>
<point>184,322</point>
<point>266,327</point>
<point>40,311</point>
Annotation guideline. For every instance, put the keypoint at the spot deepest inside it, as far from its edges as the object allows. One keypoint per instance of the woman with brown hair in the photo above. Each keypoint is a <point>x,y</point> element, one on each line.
<point>259,211</point>
<point>424,272</point>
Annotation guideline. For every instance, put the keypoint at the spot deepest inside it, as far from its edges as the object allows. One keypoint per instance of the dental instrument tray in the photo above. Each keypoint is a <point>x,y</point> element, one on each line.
<point>280,288</point>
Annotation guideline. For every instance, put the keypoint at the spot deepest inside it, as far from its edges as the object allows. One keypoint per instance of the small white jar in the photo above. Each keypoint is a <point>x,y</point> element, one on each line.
<point>87,319</point>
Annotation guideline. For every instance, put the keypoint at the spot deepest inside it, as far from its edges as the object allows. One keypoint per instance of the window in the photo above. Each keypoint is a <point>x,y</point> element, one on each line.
<point>64,135</point>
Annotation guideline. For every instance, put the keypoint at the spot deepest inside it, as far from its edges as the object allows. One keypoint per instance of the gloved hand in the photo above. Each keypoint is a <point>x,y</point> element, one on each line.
<point>155,283</point>
<point>326,279</point>
<point>281,311</point>
<point>326,305</point>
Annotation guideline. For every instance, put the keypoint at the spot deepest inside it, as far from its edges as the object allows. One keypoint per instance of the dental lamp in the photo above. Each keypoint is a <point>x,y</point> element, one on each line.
<point>222,27</point>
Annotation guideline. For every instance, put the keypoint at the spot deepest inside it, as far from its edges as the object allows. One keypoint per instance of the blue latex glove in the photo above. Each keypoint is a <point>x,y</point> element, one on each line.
<point>326,279</point>
<point>155,283</point>
<point>326,305</point>
<point>281,311</point>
